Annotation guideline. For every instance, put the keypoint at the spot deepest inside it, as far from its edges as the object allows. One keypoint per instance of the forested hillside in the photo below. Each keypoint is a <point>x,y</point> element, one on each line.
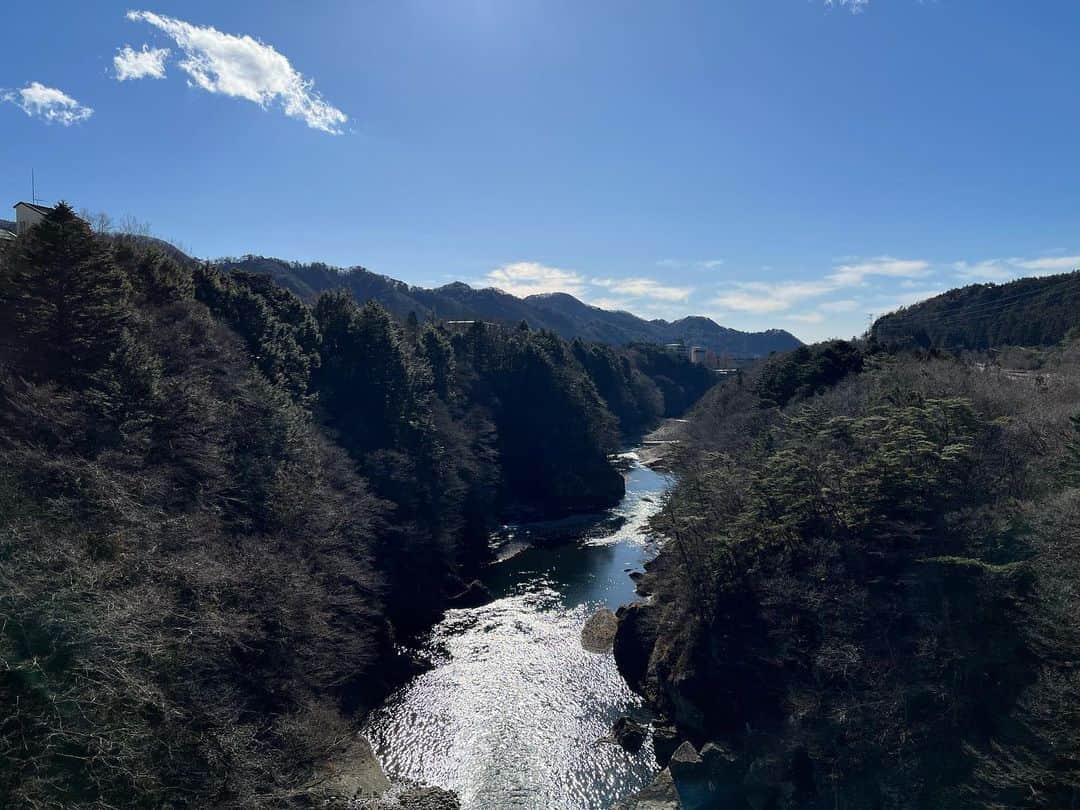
<point>868,594</point>
<point>557,312</point>
<point>221,509</point>
<point>1028,312</point>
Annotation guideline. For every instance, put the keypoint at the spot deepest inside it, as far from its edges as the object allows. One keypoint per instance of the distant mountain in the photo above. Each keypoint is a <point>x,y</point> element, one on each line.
<point>1027,312</point>
<point>561,313</point>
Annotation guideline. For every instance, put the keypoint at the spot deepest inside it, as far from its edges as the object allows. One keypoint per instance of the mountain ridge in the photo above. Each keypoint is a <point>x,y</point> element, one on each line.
<point>1031,311</point>
<point>559,312</point>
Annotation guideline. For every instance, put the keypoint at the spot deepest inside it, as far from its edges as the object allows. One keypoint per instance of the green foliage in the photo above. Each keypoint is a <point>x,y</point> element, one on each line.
<point>806,371</point>
<point>221,508</point>
<point>873,590</point>
<point>680,383</point>
<point>188,593</point>
<point>279,330</point>
<point>65,301</point>
<point>1027,312</point>
<point>632,397</point>
<point>364,377</point>
<point>437,351</point>
<point>554,431</point>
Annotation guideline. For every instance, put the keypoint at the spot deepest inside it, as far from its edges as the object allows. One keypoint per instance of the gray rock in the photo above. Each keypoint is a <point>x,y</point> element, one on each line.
<point>598,634</point>
<point>659,795</point>
<point>695,782</point>
<point>355,773</point>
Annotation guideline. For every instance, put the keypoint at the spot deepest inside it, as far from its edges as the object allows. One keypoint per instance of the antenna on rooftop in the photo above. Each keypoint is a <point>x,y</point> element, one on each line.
<point>33,188</point>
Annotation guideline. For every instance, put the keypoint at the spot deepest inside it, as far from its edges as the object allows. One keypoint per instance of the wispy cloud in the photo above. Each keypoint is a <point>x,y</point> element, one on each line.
<point>244,67</point>
<point>986,270</point>
<point>1000,270</point>
<point>148,63</point>
<point>643,288</point>
<point>1052,264</point>
<point>47,103</point>
<point>817,302</point>
<point>856,273</point>
<point>807,317</point>
<point>693,264</point>
<point>761,297</point>
<point>843,305</point>
<point>533,278</point>
<point>855,6</point>
<point>613,304</point>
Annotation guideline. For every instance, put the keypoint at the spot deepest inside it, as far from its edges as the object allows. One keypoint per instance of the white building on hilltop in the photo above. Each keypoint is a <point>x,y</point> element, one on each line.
<point>27,215</point>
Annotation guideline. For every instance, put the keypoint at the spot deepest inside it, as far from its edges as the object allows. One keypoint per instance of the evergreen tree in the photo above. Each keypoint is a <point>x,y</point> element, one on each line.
<point>364,379</point>
<point>65,299</point>
<point>412,326</point>
<point>438,352</point>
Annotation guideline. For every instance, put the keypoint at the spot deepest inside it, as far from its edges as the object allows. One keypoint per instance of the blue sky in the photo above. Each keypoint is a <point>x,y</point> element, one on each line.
<point>787,163</point>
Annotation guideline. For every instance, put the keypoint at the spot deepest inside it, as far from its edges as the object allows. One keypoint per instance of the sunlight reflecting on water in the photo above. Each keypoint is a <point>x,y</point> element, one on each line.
<point>512,713</point>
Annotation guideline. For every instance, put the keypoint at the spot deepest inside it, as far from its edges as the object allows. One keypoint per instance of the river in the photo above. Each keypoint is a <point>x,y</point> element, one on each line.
<point>512,713</point>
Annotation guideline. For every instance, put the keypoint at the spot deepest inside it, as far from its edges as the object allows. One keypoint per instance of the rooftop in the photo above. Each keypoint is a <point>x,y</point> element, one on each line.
<point>41,209</point>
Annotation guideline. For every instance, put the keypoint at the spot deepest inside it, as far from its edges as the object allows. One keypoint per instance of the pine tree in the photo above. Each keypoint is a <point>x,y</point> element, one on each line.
<point>65,299</point>
<point>439,353</point>
<point>364,379</point>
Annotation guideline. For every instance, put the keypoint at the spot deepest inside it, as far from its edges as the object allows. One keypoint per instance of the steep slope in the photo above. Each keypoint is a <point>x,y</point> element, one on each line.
<point>867,597</point>
<point>1027,312</point>
<point>221,508</point>
<point>558,312</point>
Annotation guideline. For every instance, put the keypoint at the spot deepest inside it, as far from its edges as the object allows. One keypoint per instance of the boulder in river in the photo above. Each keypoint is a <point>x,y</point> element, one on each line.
<point>598,634</point>
<point>355,773</point>
<point>629,733</point>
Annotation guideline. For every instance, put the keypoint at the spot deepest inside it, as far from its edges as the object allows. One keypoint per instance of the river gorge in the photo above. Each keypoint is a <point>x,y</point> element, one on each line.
<point>513,712</point>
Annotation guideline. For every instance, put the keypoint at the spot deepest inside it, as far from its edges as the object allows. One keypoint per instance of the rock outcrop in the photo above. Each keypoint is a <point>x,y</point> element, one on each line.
<point>659,795</point>
<point>598,633</point>
<point>354,774</point>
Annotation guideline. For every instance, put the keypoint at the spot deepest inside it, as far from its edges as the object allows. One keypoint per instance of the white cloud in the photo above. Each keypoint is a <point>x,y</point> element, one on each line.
<point>855,6</point>
<point>844,305</point>
<point>856,273</point>
<point>698,264</point>
<point>643,288</point>
<point>244,67</point>
<point>533,278</point>
<point>1053,264</point>
<point>760,297</point>
<point>612,304</point>
<point>1001,270</point>
<point>47,103</point>
<point>146,63</point>
<point>806,317</point>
